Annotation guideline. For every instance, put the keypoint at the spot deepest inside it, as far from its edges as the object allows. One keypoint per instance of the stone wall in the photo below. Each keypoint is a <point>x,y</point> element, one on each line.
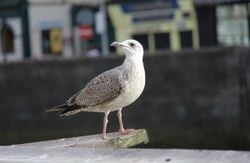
<point>192,99</point>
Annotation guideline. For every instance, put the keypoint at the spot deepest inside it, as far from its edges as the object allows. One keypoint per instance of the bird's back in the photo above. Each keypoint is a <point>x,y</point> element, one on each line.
<point>100,90</point>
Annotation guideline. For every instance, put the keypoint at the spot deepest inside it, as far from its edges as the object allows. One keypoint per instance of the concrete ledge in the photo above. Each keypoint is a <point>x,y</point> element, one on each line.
<point>30,154</point>
<point>115,140</point>
<point>94,149</point>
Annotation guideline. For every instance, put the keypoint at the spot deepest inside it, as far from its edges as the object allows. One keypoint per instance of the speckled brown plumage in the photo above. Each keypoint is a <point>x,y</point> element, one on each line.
<point>102,89</point>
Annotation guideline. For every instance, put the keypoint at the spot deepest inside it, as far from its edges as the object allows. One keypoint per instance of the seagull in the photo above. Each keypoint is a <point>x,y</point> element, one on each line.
<point>112,90</point>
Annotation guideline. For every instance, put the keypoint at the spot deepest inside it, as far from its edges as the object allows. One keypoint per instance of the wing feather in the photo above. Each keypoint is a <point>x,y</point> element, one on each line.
<point>102,89</point>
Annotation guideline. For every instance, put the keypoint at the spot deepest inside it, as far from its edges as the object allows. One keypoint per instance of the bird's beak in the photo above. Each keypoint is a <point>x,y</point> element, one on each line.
<point>115,44</point>
<point>120,44</point>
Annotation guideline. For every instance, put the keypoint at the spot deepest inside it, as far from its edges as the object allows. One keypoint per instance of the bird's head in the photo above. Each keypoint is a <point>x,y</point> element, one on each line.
<point>130,48</point>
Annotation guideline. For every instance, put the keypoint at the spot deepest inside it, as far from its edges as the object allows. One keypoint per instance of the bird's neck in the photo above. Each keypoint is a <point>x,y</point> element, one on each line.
<point>133,61</point>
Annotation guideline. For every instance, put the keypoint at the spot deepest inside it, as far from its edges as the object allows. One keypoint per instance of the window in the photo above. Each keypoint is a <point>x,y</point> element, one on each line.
<point>186,15</point>
<point>52,41</point>
<point>232,25</point>
<point>7,39</point>
<point>162,41</point>
<point>143,39</point>
<point>186,39</point>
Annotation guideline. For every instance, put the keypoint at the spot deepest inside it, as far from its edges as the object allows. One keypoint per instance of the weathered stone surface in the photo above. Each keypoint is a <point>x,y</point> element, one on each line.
<point>115,140</point>
<point>59,154</point>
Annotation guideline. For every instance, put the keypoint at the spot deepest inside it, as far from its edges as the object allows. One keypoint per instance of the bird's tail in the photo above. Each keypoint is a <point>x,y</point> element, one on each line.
<point>64,109</point>
<point>56,108</point>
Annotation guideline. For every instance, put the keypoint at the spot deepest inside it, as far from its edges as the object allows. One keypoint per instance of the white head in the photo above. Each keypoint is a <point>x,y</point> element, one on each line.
<point>131,48</point>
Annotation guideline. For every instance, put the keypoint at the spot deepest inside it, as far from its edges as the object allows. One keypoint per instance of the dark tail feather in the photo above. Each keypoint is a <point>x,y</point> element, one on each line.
<point>69,110</point>
<point>64,109</point>
<point>57,108</point>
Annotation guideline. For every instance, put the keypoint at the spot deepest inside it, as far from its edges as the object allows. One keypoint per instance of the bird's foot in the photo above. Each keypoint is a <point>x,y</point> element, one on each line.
<point>126,131</point>
<point>104,137</point>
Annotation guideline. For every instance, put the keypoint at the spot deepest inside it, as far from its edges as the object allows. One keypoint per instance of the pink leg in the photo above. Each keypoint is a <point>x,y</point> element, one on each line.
<point>122,130</point>
<point>105,123</point>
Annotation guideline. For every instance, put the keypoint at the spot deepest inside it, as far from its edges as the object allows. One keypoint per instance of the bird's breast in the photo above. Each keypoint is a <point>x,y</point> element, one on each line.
<point>132,79</point>
<point>134,85</point>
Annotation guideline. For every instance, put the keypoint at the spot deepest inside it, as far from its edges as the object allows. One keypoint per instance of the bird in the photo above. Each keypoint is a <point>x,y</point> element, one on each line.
<point>112,90</point>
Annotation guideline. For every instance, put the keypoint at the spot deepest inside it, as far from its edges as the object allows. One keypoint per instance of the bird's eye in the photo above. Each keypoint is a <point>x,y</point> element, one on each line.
<point>131,44</point>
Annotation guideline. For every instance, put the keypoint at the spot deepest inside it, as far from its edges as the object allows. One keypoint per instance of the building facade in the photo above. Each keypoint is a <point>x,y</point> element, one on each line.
<point>223,22</point>
<point>56,27</point>
<point>50,28</point>
<point>39,29</point>
<point>159,25</point>
<point>14,31</point>
<point>179,24</point>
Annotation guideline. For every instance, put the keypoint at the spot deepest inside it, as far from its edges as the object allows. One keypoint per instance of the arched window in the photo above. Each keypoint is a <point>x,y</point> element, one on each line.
<point>7,39</point>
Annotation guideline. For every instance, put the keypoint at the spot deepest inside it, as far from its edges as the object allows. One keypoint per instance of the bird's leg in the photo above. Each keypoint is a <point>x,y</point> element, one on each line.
<point>105,123</point>
<point>122,130</point>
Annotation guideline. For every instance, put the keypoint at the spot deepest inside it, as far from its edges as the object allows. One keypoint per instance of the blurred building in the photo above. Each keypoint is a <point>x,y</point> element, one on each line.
<point>179,24</point>
<point>14,33</point>
<point>223,22</point>
<point>44,28</point>
<point>61,27</point>
<point>159,25</point>
<point>69,28</point>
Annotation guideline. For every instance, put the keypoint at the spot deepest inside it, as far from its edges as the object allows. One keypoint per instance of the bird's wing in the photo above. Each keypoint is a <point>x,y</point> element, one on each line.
<point>102,89</point>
